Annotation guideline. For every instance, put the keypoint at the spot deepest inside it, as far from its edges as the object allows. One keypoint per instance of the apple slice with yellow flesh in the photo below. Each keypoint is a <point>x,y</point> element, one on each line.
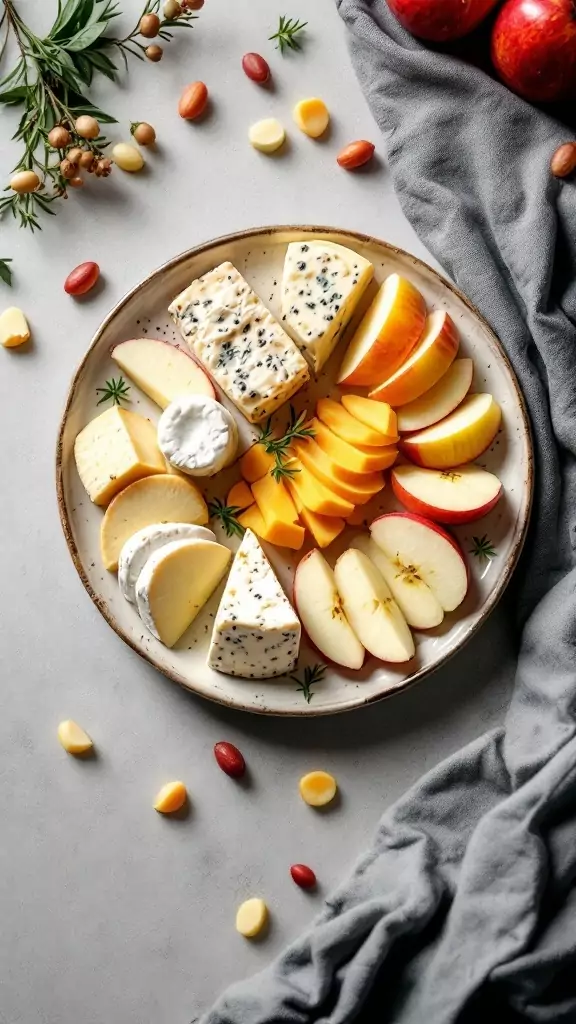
<point>370,608</point>
<point>459,438</point>
<point>425,365</point>
<point>419,606</point>
<point>440,400</point>
<point>319,607</point>
<point>352,459</point>
<point>386,335</point>
<point>162,371</point>
<point>423,549</point>
<point>448,496</point>
<point>378,415</point>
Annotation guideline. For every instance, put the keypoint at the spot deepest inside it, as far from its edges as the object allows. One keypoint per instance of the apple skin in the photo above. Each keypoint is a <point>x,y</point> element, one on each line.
<point>534,48</point>
<point>440,21</point>
<point>183,351</point>
<point>421,509</point>
<point>432,526</point>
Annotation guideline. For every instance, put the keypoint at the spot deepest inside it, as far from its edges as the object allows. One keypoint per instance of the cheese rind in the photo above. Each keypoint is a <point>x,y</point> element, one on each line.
<point>144,543</point>
<point>197,435</point>
<point>321,287</point>
<point>256,631</point>
<point>239,342</point>
<point>114,450</point>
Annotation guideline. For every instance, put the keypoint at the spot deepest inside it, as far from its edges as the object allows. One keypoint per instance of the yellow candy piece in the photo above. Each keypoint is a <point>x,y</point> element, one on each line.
<point>127,157</point>
<point>171,798</point>
<point>267,135</point>
<point>317,788</point>
<point>14,328</point>
<point>312,117</point>
<point>73,738</point>
<point>251,917</point>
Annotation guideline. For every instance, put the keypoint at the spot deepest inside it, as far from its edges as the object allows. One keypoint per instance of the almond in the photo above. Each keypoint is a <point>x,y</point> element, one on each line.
<point>193,101</point>
<point>230,760</point>
<point>355,154</point>
<point>563,163</point>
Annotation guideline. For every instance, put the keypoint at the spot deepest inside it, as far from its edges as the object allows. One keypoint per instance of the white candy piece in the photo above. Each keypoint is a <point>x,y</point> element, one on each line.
<point>267,136</point>
<point>145,542</point>
<point>197,435</point>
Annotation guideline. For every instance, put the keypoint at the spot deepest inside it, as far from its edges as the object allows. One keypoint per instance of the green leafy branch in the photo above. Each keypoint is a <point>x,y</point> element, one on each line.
<point>312,674</point>
<point>279,447</point>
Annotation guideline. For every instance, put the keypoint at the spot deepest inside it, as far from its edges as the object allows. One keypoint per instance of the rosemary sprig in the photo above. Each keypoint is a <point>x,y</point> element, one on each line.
<point>287,33</point>
<point>227,514</point>
<point>482,548</point>
<point>5,272</point>
<point>279,447</point>
<point>312,674</point>
<point>115,391</point>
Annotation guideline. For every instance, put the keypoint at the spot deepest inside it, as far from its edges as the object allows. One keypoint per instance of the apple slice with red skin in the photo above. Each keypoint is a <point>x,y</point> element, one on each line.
<point>425,365</point>
<point>162,371</point>
<point>370,608</point>
<point>440,400</point>
<point>319,606</point>
<point>448,496</point>
<point>421,547</point>
<point>419,606</point>
<point>459,438</point>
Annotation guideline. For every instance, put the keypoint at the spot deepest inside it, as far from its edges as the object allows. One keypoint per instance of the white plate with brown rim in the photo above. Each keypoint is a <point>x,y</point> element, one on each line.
<point>259,255</point>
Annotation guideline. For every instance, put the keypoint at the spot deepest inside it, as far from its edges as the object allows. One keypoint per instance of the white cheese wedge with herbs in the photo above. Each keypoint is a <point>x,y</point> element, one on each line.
<point>321,287</point>
<point>256,631</point>
<point>239,343</point>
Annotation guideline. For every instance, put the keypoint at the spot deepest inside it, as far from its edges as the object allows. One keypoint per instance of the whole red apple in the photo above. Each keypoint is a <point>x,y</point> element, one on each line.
<point>534,48</point>
<point>440,21</point>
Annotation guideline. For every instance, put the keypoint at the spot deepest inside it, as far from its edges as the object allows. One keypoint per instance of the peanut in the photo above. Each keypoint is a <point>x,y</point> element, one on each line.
<point>355,154</point>
<point>82,278</point>
<point>563,162</point>
<point>193,101</point>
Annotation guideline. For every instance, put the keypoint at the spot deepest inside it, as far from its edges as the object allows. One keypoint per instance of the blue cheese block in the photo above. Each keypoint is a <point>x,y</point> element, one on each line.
<point>239,342</point>
<point>321,287</point>
<point>256,631</point>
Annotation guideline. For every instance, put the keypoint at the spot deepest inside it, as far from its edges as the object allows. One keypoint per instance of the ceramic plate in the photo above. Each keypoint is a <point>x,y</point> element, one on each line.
<point>259,255</point>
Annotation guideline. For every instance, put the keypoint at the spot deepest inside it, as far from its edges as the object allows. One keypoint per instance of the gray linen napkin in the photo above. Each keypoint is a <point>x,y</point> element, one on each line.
<point>465,904</point>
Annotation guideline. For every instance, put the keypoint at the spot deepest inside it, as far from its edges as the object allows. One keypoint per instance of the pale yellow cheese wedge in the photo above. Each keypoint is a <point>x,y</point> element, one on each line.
<point>171,797</point>
<point>312,116</point>
<point>73,737</point>
<point>251,917</point>
<point>14,329</point>
<point>318,788</point>
<point>156,499</point>
<point>114,450</point>
<point>176,583</point>
<point>267,135</point>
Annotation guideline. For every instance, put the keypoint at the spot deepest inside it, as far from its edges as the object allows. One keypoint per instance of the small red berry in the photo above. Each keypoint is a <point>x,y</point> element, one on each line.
<point>230,760</point>
<point>303,876</point>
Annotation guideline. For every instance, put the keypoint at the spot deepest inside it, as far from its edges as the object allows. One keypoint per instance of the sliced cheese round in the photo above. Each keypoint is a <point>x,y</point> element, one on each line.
<point>144,543</point>
<point>197,435</point>
<point>176,583</point>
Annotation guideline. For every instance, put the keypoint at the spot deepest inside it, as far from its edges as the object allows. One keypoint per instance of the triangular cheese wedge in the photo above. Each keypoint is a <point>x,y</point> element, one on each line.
<point>321,287</point>
<point>256,631</point>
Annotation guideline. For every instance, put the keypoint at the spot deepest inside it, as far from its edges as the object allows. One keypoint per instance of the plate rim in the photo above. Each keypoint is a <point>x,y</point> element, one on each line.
<point>355,702</point>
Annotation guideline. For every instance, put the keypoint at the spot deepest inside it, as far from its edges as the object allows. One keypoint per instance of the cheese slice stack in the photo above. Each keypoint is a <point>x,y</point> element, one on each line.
<point>239,342</point>
<point>321,287</point>
<point>256,631</point>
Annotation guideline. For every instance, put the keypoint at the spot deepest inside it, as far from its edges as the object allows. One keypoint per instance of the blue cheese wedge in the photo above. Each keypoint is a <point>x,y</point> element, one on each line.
<point>321,287</point>
<point>256,631</point>
<point>239,342</point>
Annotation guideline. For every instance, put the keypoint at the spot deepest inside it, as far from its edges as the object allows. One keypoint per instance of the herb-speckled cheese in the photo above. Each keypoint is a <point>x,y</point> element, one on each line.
<point>256,631</point>
<point>239,342</point>
<point>321,287</point>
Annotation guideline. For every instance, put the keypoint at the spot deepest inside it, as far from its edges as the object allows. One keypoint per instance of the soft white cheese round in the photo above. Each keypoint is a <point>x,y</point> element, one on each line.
<point>197,435</point>
<point>145,542</point>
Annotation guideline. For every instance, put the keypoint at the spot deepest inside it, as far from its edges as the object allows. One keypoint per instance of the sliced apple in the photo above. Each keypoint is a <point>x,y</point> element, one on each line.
<point>386,335</point>
<point>447,496</point>
<point>378,415</point>
<point>440,400</point>
<point>162,371</point>
<point>419,606</point>
<point>347,427</point>
<point>423,549</point>
<point>325,470</point>
<point>459,438</point>
<point>352,459</point>
<point>370,608</point>
<point>319,606</point>
<point>425,365</point>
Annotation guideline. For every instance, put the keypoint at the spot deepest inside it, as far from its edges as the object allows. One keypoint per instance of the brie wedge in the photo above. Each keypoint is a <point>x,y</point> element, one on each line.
<point>144,543</point>
<point>197,435</point>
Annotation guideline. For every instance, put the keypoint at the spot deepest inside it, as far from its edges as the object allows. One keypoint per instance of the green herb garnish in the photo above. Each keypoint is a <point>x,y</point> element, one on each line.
<point>115,391</point>
<point>482,548</point>
<point>279,446</point>
<point>228,516</point>
<point>5,272</point>
<point>286,35</point>
<point>312,674</point>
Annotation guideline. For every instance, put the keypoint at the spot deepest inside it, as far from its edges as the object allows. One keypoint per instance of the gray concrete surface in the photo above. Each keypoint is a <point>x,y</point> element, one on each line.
<point>110,914</point>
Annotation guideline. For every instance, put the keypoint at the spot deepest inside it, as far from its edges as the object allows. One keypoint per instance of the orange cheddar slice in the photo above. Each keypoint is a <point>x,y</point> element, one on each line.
<point>377,415</point>
<point>324,469</point>
<point>283,535</point>
<point>256,463</point>
<point>239,496</point>
<point>324,529</point>
<point>347,427</point>
<point>353,458</point>
<point>315,495</point>
<point>273,500</point>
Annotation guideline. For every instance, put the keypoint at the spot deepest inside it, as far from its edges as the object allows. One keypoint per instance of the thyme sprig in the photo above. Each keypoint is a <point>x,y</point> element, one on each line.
<point>115,391</point>
<point>287,33</point>
<point>483,549</point>
<point>279,447</point>
<point>312,674</point>
<point>228,516</point>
